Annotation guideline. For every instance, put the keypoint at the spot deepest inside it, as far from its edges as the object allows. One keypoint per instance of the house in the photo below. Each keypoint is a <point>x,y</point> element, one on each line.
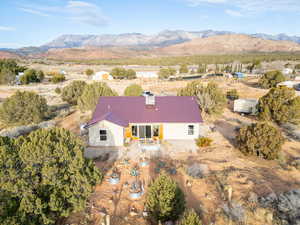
<point>289,84</point>
<point>287,71</point>
<point>119,119</point>
<point>248,106</point>
<point>146,74</point>
<point>102,75</point>
<point>239,75</point>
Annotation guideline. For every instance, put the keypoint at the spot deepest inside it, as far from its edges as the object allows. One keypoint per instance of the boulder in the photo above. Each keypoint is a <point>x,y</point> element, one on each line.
<point>198,170</point>
<point>234,211</point>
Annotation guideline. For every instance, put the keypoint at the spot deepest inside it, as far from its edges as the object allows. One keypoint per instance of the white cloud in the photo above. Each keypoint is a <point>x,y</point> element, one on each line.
<point>33,11</point>
<point>5,28</point>
<point>74,10</point>
<point>84,12</point>
<point>233,13</point>
<point>252,6</point>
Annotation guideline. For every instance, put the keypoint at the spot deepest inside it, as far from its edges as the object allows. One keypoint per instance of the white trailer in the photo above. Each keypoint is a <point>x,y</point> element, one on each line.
<point>245,106</point>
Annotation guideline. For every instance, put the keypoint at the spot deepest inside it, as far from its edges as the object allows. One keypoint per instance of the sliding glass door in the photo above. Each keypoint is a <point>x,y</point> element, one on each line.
<point>145,131</point>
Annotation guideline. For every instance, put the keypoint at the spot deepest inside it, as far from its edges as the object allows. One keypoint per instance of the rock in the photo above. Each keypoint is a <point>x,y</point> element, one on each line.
<point>234,211</point>
<point>296,163</point>
<point>198,171</point>
<point>169,223</point>
<point>289,206</point>
<point>253,198</point>
<point>268,200</point>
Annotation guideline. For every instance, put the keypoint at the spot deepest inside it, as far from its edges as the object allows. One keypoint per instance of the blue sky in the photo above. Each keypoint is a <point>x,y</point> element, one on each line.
<point>35,22</point>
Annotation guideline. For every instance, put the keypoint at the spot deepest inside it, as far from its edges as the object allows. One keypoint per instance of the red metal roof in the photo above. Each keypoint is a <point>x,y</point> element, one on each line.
<point>123,110</point>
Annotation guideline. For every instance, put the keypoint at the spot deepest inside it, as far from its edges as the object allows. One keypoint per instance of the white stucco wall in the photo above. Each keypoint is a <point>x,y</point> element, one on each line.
<point>179,131</point>
<point>115,134</point>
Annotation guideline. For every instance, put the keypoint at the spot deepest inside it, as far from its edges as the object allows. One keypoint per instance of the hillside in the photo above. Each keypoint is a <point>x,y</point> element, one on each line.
<point>7,55</point>
<point>228,44</point>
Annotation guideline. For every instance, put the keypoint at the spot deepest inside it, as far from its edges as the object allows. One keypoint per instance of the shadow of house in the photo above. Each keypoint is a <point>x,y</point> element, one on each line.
<point>227,130</point>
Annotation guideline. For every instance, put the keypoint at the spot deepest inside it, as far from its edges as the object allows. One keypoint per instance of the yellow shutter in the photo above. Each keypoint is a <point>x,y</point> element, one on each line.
<point>161,132</point>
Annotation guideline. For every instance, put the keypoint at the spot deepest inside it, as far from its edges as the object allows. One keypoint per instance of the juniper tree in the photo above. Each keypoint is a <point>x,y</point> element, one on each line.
<point>24,108</point>
<point>260,139</point>
<point>73,91</point>
<point>133,90</point>
<point>165,200</point>
<point>91,94</point>
<point>190,217</point>
<point>271,79</point>
<point>44,177</point>
<point>281,105</point>
<point>210,98</point>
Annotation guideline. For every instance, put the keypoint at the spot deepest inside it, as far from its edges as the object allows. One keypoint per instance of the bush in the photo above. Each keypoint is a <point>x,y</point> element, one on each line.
<point>57,78</point>
<point>281,105</point>
<point>190,217</point>
<point>44,177</point>
<point>203,142</point>
<point>89,72</point>
<point>165,200</point>
<point>121,73</point>
<point>8,70</point>
<point>202,68</point>
<point>232,94</point>
<point>210,98</point>
<point>73,91</point>
<point>24,108</point>
<point>58,90</point>
<point>32,76</point>
<point>183,69</point>
<point>91,94</point>
<point>261,140</point>
<point>271,79</point>
<point>133,90</point>
<point>165,73</point>
<point>297,67</point>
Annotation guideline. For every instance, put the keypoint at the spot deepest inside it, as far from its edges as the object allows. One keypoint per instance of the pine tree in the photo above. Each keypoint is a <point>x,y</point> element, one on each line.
<point>165,200</point>
<point>73,91</point>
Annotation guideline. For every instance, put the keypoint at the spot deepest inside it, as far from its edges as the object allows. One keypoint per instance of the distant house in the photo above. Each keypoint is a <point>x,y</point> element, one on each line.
<point>146,74</point>
<point>117,119</point>
<point>289,84</point>
<point>102,75</point>
<point>239,75</point>
<point>247,106</point>
<point>287,71</point>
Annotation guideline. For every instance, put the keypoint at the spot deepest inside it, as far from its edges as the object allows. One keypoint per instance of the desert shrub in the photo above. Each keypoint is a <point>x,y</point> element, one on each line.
<point>165,200</point>
<point>281,105</point>
<point>297,67</point>
<point>91,94</point>
<point>165,73</point>
<point>73,91</point>
<point>57,78</point>
<point>190,217</point>
<point>260,139</point>
<point>36,185</point>
<point>121,73</point>
<point>58,90</point>
<point>183,69</point>
<point>202,68</point>
<point>203,142</point>
<point>271,79</point>
<point>133,90</point>
<point>32,76</point>
<point>232,94</point>
<point>89,72</point>
<point>210,98</point>
<point>24,108</point>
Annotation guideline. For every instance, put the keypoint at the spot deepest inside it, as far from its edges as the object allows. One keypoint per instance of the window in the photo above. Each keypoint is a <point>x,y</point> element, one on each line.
<point>103,135</point>
<point>134,131</point>
<point>191,130</point>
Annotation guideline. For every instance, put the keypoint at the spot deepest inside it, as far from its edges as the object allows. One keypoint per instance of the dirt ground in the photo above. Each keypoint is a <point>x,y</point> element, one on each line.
<point>229,169</point>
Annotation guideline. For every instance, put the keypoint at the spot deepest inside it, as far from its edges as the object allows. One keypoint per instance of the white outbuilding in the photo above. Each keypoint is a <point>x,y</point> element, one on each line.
<point>147,74</point>
<point>287,71</point>
<point>102,75</point>
<point>245,106</point>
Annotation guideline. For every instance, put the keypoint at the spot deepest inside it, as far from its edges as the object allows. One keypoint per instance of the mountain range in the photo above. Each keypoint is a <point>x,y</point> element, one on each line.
<point>160,43</point>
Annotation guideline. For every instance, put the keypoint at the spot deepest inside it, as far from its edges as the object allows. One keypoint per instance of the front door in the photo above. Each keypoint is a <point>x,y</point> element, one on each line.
<point>145,131</point>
